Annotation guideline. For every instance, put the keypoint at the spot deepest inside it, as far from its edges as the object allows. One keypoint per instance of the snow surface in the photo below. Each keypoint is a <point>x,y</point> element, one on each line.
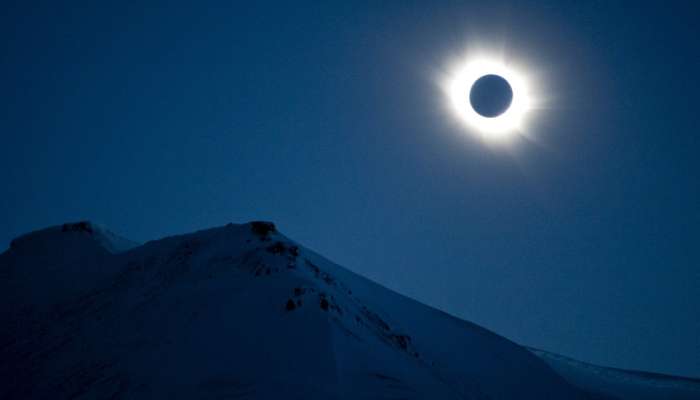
<point>238,312</point>
<point>621,384</point>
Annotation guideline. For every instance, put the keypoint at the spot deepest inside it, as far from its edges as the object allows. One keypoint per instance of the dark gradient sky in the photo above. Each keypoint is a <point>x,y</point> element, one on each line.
<point>169,117</point>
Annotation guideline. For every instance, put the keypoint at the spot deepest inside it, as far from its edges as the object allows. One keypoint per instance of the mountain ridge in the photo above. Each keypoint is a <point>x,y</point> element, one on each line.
<point>294,322</point>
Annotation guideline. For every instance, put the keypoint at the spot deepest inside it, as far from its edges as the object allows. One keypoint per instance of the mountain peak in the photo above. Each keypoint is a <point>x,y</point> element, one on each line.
<point>57,237</point>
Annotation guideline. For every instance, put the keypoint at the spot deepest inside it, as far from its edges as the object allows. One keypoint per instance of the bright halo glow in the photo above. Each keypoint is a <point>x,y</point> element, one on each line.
<point>458,84</point>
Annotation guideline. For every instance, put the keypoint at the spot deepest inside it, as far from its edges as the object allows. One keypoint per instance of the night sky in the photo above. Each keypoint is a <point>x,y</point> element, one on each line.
<point>582,239</point>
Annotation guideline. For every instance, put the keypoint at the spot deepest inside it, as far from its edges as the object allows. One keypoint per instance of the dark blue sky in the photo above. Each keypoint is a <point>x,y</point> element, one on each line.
<point>326,118</point>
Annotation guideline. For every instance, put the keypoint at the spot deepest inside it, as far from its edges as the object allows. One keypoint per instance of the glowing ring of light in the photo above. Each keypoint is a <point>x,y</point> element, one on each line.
<point>459,84</point>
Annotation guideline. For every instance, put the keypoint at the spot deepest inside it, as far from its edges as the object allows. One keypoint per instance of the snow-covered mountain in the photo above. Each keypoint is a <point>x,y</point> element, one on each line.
<point>242,312</point>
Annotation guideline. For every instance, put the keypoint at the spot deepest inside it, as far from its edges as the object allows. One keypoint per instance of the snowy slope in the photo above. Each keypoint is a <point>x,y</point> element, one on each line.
<point>621,384</point>
<point>235,312</point>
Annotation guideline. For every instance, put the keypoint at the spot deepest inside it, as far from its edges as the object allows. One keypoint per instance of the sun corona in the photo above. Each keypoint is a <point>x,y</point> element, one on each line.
<point>458,84</point>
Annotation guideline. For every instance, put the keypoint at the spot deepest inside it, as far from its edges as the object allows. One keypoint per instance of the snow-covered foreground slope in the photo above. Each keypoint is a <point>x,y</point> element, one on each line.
<point>621,384</point>
<point>236,312</point>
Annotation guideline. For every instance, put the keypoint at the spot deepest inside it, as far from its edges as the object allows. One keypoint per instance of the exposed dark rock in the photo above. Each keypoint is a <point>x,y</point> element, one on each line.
<point>324,304</point>
<point>386,377</point>
<point>82,226</point>
<point>375,319</point>
<point>277,248</point>
<point>294,251</point>
<point>401,340</point>
<point>262,229</point>
<point>290,305</point>
<point>313,267</point>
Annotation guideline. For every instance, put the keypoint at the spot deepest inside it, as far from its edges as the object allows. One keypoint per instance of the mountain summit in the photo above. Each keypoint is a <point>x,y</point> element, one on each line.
<point>242,312</point>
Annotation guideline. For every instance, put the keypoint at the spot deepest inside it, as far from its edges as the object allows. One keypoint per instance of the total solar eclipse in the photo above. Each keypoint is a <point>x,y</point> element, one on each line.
<point>490,96</point>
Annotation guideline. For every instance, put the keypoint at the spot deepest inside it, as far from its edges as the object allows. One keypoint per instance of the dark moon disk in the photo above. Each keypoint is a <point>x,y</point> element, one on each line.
<point>490,96</point>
